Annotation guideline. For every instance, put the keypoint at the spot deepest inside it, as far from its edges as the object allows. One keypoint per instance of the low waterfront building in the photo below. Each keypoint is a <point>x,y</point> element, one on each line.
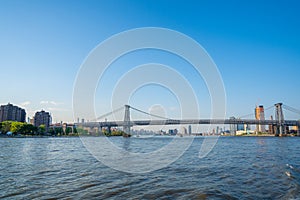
<point>244,132</point>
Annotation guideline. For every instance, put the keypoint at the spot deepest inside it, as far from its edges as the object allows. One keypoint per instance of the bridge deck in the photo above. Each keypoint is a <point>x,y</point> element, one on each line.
<point>188,121</point>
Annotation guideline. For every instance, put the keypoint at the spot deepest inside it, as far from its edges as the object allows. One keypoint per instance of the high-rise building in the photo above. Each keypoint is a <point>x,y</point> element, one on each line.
<point>260,115</point>
<point>42,118</point>
<point>10,112</point>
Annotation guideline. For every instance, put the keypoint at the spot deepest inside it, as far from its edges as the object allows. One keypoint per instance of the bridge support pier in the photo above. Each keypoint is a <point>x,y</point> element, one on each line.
<point>126,127</point>
<point>275,130</point>
<point>280,120</point>
<point>298,130</point>
<point>282,130</point>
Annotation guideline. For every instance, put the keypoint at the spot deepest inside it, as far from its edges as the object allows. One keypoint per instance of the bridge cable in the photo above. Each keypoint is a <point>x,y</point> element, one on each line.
<point>153,115</point>
<point>291,109</point>
<point>244,116</point>
<point>107,114</point>
<point>268,108</point>
<point>248,115</point>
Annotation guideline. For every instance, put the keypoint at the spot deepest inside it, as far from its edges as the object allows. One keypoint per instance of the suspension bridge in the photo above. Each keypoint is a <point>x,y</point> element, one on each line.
<point>279,124</point>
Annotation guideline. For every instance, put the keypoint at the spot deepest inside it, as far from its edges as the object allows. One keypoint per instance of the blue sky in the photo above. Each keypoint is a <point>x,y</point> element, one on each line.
<point>255,45</point>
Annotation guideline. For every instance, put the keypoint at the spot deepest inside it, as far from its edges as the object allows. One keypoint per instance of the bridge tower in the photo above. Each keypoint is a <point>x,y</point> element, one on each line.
<point>126,127</point>
<point>280,128</point>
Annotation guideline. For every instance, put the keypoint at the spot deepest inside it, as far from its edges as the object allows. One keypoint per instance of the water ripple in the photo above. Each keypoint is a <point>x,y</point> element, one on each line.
<point>237,168</point>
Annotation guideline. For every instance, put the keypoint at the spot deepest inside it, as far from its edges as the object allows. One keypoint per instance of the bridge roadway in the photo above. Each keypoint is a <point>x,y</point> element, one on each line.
<point>188,121</point>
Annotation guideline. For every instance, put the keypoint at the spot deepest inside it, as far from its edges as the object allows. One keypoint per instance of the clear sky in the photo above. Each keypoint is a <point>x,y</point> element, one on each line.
<point>255,45</point>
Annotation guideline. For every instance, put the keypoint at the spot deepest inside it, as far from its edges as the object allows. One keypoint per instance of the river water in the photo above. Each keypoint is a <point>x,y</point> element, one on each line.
<point>237,168</point>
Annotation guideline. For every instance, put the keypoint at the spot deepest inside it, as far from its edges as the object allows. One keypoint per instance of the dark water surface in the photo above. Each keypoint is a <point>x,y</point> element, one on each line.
<point>237,168</point>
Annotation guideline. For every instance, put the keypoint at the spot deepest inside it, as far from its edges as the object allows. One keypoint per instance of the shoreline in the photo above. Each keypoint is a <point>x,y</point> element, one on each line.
<point>77,136</point>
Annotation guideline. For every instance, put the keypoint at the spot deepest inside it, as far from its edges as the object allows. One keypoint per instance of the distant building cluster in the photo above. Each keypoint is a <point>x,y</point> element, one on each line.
<point>10,112</point>
<point>173,132</point>
<point>143,132</point>
<point>240,129</point>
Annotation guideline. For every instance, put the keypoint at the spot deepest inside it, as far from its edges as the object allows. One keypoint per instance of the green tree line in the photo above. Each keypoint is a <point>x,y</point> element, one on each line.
<point>29,129</point>
<point>18,128</point>
<point>59,131</point>
<point>113,133</point>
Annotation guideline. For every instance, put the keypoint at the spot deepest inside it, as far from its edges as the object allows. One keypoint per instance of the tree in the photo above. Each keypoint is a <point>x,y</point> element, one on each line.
<point>42,129</point>
<point>68,130</point>
<point>28,129</point>
<point>117,133</point>
<point>16,127</point>
<point>52,131</point>
<point>58,130</point>
<point>5,126</point>
<point>81,131</point>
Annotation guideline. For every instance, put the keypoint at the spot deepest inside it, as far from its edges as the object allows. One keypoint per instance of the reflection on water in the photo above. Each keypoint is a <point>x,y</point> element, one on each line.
<point>238,167</point>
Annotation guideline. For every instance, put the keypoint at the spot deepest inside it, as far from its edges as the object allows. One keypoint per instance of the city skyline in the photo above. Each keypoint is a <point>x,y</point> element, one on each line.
<point>254,45</point>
